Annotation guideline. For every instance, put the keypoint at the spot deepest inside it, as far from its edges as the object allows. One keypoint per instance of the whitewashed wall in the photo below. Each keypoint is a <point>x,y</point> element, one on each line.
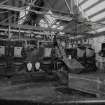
<point>96,43</point>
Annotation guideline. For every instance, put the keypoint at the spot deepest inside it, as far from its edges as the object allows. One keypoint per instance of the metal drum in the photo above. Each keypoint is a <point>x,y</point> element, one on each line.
<point>47,52</point>
<point>2,48</point>
<point>47,60</point>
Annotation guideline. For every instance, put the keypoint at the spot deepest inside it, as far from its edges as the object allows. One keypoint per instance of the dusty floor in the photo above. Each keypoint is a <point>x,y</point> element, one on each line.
<point>25,88</point>
<point>46,91</point>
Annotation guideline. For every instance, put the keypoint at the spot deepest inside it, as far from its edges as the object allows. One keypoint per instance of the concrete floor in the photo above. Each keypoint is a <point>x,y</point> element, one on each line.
<point>26,89</point>
<point>46,91</point>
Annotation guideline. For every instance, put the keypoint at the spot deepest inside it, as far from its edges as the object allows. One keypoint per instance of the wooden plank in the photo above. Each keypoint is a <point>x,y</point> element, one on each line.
<point>89,84</point>
<point>73,64</point>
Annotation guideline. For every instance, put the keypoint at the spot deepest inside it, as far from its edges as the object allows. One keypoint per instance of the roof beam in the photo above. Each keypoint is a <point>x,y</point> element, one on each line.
<point>33,28</point>
<point>87,36</point>
<point>66,18</point>
<point>29,27</point>
<point>25,31</point>
<point>40,33</point>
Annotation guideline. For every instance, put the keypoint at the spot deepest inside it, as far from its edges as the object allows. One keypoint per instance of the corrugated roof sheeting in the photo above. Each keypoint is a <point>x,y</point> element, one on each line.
<point>95,11</point>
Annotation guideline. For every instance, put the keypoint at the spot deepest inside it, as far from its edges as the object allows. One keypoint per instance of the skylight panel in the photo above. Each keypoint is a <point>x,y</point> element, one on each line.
<point>103,22</point>
<point>22,14</point>
<point>80,1</point>
<point>101,29</point>
<point>98,17</point>
<point>50,18</point>
<point>42,23</point>
<point>88,3</point>
<point>96,8</point>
